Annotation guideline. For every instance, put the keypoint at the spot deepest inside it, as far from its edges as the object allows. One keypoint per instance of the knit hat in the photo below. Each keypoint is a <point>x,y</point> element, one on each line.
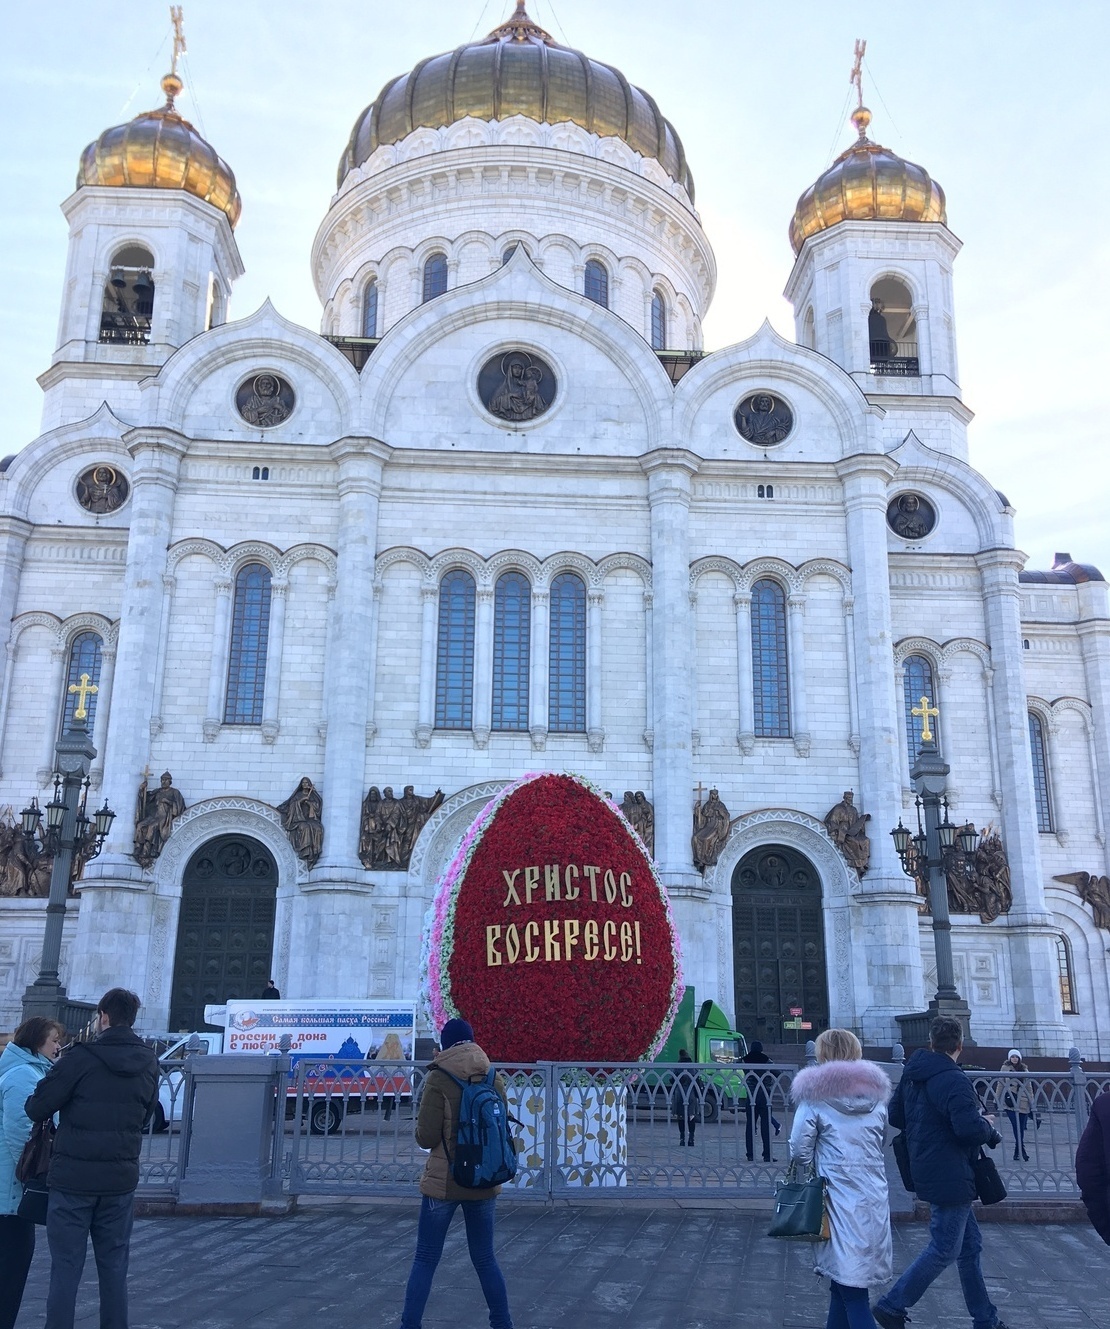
<point>455,1031</point>
<point>1013,1052</point>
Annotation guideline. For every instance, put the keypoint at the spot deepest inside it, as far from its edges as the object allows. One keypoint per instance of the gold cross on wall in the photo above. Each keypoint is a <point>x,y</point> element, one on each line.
<point>83,691</point>
<point>923,712</point>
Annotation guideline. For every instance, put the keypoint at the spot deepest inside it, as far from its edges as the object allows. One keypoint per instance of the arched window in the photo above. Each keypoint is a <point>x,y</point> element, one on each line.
<point>512,611</point>
<point>567,706</point>
<point>917,682</point>
<point>658,322</point>
<point>435,276</point>
<point>597,283</point>
<point>370,309</point>
<point>1067,978</point>
<point>455,652</point>
<point>809,331</point>
<point>510,250</point>
<point>250,632</point>
<point>892,330</point>
<point>1040,774</point>
<point>769,665</point>
<point>128,305</point>
<point>84,659</point>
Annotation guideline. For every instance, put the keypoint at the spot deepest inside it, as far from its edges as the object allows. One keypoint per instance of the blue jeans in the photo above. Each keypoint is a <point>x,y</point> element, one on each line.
<point>849,1308</point>
<point>953,1235</point>
<point>431,1231</point>
<point>70,1221</point>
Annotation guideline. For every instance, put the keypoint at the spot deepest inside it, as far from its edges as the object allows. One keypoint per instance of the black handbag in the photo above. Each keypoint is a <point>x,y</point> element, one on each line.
<point>988,1184</point>
<point>900,1148</point>
<point>31,1170</point>
<point>35,1200</point>
<point>801,1213</point>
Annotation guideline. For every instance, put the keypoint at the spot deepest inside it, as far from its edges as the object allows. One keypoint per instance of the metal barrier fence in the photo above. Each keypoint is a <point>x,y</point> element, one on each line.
<point>166,1134</point>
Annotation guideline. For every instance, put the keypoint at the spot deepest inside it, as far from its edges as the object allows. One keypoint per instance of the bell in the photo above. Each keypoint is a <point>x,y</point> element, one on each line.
<point>143,283</point>
<point>119,281</point>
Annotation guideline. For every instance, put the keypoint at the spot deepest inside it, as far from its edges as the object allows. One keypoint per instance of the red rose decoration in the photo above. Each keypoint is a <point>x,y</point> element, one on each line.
<point>551,932</point>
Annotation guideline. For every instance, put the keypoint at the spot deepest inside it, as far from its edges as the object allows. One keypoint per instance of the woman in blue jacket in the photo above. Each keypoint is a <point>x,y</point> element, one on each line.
<point>31,1053</point>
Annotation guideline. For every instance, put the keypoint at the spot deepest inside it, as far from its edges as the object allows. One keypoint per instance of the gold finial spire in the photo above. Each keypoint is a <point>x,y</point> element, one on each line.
<point>861,116</point>
<point>520,28</point>
<point>172,84</point>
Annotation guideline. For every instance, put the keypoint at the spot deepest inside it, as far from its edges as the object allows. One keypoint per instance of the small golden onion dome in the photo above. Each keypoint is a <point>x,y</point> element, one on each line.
<point>161,150</point>
<point>867,183</point>
<point>519,69</point>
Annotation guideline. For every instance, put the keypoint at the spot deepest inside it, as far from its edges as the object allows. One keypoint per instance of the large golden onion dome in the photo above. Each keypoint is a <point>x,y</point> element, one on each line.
<point>161,150</point>
<point>867,183</point>
<point>519,69</point>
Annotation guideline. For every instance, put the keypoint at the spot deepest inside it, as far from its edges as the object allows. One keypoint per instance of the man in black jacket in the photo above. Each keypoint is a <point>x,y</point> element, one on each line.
<point>105,1093</point>
<point>945,1127</point>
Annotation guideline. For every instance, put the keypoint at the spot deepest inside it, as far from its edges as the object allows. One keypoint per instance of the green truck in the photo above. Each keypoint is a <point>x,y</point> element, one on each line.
<point>708,1039</point>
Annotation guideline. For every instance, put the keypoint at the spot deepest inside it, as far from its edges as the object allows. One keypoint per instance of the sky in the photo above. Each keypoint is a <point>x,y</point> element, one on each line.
<point>1003,103</point>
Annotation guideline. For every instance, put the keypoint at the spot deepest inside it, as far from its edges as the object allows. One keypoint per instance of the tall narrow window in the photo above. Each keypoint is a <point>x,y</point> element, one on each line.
<point>370,310</point>
<point>1067,980</point>
<point>455,652</point>
<point>917,682</point>
<point>435,276</point>
<point>1040,774</point>
<point>84,659</point>
<point>512,610</point>
<point>250,632</point>
<point>597,283</point>
<point>567,706</point>
<point>658,322</point>
<point>769,664</point>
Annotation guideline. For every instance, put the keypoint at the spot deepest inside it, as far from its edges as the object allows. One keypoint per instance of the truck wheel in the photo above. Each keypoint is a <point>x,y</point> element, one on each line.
<point>710,1108</point>
<point>324,1118</point>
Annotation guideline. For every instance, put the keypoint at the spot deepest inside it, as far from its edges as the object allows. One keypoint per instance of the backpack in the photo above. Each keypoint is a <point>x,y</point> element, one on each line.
<point>485,1154</point>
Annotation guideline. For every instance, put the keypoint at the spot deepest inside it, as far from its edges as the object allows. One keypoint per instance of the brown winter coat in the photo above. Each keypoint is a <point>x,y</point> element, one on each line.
<point>438,1120</point>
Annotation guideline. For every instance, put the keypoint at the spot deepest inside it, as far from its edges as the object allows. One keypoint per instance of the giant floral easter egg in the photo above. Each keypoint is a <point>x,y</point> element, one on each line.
<point>551,933</point>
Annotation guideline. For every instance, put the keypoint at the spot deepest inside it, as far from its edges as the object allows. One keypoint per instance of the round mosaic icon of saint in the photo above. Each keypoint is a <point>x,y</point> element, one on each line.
<point>911,516</point>
<point>516,386</point>
<point>763,419</point>
<point>102,489</point>
<point>265,400</point>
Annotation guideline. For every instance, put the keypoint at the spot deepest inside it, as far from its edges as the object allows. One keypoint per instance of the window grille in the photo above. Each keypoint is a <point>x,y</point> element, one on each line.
<point>84,658</point>
<point>658,323</point>
<point>455,652</point>
<point>917,682</point>
<point>250,632</point>
<point>597,283</point>
<point>512,611</point>
<point>567,704</point>
<point>435,276</point>
<point>769,662</point>
<point>1040,774</point>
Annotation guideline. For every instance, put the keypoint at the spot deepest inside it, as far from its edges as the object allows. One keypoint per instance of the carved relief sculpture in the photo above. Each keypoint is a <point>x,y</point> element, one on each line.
<point>763,419</point>
<point>911,516</point>
<point>516,387</point>
<point>847,828</point>
<point>24,866</point>
<point>155,811</point>
<point>711,827</point>
<point>640,815</point>
<point>302,819</point>
<point>265,400</point>
<point>101,489</point>
<point>390,826</point>
<point>1094,891</point>
<point>981,886</point>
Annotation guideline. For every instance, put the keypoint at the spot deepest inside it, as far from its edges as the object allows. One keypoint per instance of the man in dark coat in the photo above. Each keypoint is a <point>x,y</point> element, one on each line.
<point>945,1127</point>
<point>757,1105</point>
<point>1092,1166</point>
<point>104,1092</point>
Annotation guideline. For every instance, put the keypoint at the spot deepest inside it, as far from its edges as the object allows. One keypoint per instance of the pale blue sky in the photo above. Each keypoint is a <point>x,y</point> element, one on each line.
<point>1004,103</point>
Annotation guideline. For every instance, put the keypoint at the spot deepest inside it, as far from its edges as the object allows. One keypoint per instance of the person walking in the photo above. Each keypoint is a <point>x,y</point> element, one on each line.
<point>33,1049</point>
<point>437,1130</point>
<point>1016,1098</point>
<point>686,1099</point>
<point>840,1127</point>
<point>945,1128</point>
<point>1092,1166</point>
<point>104,1092</point>
<point>757,1106</point>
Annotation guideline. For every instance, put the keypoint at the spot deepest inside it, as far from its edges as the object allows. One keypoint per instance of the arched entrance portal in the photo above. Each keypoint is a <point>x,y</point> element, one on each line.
<point>778,945</point>
<point>225,932</point>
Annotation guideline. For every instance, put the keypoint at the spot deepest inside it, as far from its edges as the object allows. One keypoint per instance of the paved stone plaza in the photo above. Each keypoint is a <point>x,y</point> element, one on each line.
<point>594,1268</point>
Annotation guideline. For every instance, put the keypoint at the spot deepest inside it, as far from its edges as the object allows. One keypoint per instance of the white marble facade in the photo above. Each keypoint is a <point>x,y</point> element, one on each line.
<point>383,480</point>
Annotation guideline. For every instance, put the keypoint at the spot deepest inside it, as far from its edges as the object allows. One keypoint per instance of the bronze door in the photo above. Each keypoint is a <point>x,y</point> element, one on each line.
<point>778,946</point>
<point>225,932</point>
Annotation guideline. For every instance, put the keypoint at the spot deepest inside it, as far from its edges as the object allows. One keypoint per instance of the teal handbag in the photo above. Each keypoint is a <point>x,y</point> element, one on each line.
<point>800,1210</point>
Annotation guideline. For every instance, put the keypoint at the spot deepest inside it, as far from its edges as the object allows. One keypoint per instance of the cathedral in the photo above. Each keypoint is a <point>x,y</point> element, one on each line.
<point>318,595</point>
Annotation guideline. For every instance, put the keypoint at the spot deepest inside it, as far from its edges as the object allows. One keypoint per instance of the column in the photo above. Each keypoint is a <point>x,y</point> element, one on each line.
<point>595,734</point>
<point>55,708</point>
<point>275,642</point>
<point>848,605</point>
<point>890,920</point>
<point>372,664</point>
<point>669,490</point>
<point>1094,640</point>
<point>361,462</point>
<point>103,711</point>
<point>426,706</point>
<point>649,697</point>
<point>944,727</point>
<point>996,775</point>
<point>169,585</point>
<point>10,655</point>
<point>796,609</point>
<point>217,663</point>
<point>540,667</point>
<point>746,700</point>
<point>483,665</point>
<point>13,542</point>
<point>1038,1023</point>
<point>1053,757</point>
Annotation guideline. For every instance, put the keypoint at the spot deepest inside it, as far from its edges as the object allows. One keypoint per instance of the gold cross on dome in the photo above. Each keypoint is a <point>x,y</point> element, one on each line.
<point>856,76</point>
<point>178,21</point>
<point>83,691</point>
<point>923,712</point>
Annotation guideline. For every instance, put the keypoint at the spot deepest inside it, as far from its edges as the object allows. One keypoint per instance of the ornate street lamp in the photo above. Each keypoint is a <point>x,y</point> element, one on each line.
<point>938,848</point>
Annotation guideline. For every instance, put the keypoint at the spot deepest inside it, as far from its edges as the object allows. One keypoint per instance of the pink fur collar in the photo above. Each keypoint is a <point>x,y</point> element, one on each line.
<point>841,1081</point>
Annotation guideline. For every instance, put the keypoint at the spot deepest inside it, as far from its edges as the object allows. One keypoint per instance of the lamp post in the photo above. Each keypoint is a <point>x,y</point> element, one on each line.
<point>73,838</point>
<point>938,847</point>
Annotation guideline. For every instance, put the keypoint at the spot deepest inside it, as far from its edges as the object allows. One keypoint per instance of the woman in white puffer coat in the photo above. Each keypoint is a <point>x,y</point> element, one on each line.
<point>840,1125</point>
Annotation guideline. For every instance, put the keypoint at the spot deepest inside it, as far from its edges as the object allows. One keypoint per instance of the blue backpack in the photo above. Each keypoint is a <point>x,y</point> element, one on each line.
<point>485,1154</point>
